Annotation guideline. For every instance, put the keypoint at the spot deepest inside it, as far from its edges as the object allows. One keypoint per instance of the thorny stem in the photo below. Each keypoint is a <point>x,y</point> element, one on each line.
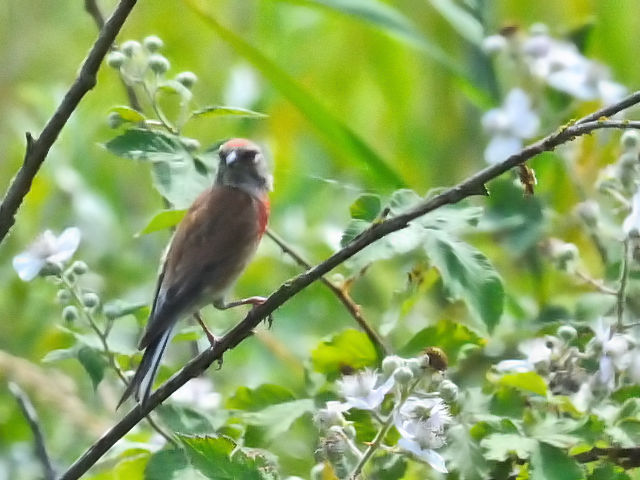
<point>103,336</point>
<point>622,291</point>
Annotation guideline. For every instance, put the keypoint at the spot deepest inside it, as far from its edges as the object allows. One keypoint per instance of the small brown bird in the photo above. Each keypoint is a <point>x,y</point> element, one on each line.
<point>210,248</point>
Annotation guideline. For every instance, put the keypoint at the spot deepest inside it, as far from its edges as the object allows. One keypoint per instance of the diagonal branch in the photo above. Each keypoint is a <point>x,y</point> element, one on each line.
<point>352,307</point>
<point>37,149</point>
<point>473,185</point>
<point>29,412</point>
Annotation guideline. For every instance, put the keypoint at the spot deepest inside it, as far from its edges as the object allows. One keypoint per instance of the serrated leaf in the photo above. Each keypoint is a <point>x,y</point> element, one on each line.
<point>162,220</point>
<point>255,399</point>
<point>144,144</point>
<point>174,87</point>
<point>93,363</point>
<point>447,335</point>
<point>501,446</point>
<point>182,419</point>
<point>354,228</point>
<point>163,465</point>
<point>213,457</point>
<point>277,419</point>
<point>463,452</point>
<point>348,349</point>
<point>131,467</point>
<point>366,207</point>
<point>525,381</point>
<point>128,114</point>
<point>551,463</point>
<point>337,133</point>
<point>468,275</point>
<point>221,111</point>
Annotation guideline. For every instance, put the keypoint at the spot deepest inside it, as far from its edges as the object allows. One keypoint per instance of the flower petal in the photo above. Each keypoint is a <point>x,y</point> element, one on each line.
<point>66,245</point>
<point>27,265</point>
<point>429,456</point>
<point>501,147</point>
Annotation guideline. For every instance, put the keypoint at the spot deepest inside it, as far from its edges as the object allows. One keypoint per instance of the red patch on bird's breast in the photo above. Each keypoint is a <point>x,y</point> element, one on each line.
<point>264,208</point>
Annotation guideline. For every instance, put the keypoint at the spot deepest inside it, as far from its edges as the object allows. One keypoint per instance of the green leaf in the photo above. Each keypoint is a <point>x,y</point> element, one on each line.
<point>94,364</point>
<point>462,21</point>
<point>337,134</point>
<point>277,419</point>
<point>447,335</point>
<point>350,348</point>
<point>468,275</point>
<point>501,446</point>
<point>60,354</point>
<point>354,228</point>
<point>128,114</point>
<point>463,452</point>
<point>119,308</point>
<point>525,381</point>
<point>366,207</point>
<point>131,467</point>
<point>185,420</point>
<point>174,87</point>
<point>551,463</point>
<point>220,111</point>
<point>255,399</point>
<point>163,465</point>
<point>173,169</point>
<point>162,220</point>
<point>215,458</point>
<point>387,19</point>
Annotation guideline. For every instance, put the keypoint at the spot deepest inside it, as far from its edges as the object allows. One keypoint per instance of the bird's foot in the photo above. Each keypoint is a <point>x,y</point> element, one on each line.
<point>210,336</point>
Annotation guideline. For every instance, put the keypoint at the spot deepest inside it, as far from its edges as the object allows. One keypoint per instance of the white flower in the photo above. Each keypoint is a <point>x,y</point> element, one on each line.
<point>331,415</point>
<point>563,67</point>
<point>421,423</point>
<point>632,222</point>
<point>538,352</point>
<point>614,357</point>
<point>47,249</point>
<point>509,125</point>
<point>198,393</point>
<point>360,390</point>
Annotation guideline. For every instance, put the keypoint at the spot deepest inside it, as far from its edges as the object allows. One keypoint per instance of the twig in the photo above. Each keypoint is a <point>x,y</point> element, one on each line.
<point>470,186</point>
<point>37,149</point>
<point>625,457</point>
<point>622,291</point>
<point>91,6</point>
<point>595,283</point>
<point>352,307</point>
<point>31,416</point>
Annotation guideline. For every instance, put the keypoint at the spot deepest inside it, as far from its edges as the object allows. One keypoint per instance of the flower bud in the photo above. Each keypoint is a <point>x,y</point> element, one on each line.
<point>116,60</point>
<point>493,44</point>
<point>63,296</point>
<point>130,48</point>
<point>317,472</point>
<point>403,375</point>
<point>188,79</point>
<point>567,333</point>
<point>79,267</point>
<point>350,431</point>
<point>390,364</point>
<point>415,365</point>
<point>191,144</point>
<point>90,300</point>
<point>70,313</point>
<point>51,268</point>
<point>153,43</point>
<point>630,140</point>
<point>114,120</point>
<point>158,63</point>
<point>588,212</point>
<point>112,311</point>
<point>448,391</point>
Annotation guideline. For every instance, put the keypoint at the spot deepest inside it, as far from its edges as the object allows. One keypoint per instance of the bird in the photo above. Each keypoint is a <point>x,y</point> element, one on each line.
<point>209,250</point>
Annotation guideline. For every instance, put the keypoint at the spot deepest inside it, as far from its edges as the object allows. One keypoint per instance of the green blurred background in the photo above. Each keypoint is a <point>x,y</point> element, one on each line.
<point>404,103</point>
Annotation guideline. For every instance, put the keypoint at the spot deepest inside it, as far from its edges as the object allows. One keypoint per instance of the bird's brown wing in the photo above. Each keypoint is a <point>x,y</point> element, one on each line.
<point>210,248</point>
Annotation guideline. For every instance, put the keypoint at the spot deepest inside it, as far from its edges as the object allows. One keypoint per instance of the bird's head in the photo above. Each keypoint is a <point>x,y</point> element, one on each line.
<point>242,165</point>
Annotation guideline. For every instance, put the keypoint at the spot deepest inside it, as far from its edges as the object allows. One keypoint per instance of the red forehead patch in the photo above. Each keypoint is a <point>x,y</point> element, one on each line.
<point>236,142</point>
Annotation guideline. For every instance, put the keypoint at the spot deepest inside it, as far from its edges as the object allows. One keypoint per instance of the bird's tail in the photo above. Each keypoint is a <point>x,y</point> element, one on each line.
<point>142,381</point>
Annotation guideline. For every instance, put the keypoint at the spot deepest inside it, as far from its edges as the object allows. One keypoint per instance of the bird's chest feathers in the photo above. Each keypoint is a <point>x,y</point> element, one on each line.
<point>264,208</point>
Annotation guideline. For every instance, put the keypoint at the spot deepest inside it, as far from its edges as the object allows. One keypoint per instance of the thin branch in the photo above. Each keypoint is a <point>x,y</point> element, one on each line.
<point>597,284</point>
<point>352,307</point>
<point>622,291</point>
<point>625,457</point>
<point>468,187</point>
<point>91,6</point>
<point>29,413</point>
<point>37,150</point>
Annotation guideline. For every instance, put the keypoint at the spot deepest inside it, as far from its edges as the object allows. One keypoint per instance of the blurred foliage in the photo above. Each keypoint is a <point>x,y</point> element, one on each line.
<point>360,99</point>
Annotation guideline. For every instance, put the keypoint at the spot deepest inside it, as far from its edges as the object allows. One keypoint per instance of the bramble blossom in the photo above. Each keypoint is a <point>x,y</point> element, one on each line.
<point>46,249</point>
<point>360,390</point>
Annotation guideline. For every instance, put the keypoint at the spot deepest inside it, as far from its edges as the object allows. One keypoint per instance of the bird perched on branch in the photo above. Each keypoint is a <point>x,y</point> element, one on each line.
<point>210,248</point>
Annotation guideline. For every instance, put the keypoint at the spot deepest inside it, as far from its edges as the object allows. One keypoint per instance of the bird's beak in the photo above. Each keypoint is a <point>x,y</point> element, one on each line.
<point>232,157</point>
